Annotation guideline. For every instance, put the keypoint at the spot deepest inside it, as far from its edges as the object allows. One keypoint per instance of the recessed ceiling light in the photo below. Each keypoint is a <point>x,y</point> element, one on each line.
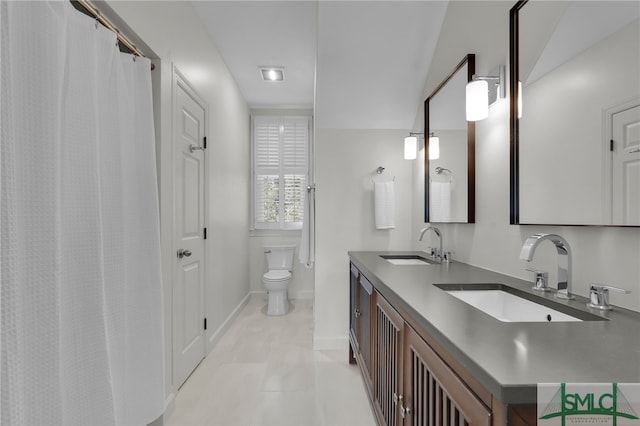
<point>272,74</point>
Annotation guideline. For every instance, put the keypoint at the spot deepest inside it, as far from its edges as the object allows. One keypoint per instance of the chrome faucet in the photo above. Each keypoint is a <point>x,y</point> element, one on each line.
<point>438,253</point>
<point>564,260</point>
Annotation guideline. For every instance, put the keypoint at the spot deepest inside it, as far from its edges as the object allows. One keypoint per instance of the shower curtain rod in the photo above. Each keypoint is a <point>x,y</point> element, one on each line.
<point>86,5</point>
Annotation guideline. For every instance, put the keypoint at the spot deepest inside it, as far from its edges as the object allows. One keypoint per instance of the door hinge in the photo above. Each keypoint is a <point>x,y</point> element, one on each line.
<point>611,145</point>
<point>205,233</point>
<point>205,323</point>
<point>204,142</point>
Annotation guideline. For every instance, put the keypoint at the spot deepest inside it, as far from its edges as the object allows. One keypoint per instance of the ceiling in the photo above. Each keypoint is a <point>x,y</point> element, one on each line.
<point>571,29</point>
<point>368,60</point>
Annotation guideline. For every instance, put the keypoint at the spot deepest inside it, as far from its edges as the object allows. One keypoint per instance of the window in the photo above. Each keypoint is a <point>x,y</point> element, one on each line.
<point>280,166</point>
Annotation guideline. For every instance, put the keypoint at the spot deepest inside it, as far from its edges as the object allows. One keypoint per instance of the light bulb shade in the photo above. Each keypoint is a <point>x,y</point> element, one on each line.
<point>434,148</point>
<point>410,148</point>
<point>477,100</point>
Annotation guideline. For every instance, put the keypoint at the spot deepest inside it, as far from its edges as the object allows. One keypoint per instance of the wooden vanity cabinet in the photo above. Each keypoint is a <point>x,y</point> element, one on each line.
<point>407,380</point>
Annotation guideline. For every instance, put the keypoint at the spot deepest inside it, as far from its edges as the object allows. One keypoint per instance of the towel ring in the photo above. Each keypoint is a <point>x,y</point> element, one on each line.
<point>439,170</point>
<point>379,171</point>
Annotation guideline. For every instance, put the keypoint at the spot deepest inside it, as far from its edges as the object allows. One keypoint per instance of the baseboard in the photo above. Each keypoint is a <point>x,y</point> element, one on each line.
<point>293,294</point>
<point>337,343</point>
<point>258,294</point>
<point>301,294</point>
<point>169,408</point>
<point>217,335</point>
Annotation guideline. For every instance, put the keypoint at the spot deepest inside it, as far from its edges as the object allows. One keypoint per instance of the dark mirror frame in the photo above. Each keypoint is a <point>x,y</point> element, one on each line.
<point>470,61</point>
<point>514,150</point>
<point>514,73</point>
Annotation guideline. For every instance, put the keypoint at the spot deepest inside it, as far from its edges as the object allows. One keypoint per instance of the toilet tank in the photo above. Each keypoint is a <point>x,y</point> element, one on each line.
<point>280,257</point>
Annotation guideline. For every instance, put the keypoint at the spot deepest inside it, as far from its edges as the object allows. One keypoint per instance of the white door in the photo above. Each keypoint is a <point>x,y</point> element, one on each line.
<point>189,184</point>
<point>626,166</point>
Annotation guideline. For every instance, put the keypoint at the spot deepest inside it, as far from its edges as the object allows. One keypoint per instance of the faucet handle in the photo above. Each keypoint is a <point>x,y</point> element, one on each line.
<point>541,280</point>
<point>599,296</point>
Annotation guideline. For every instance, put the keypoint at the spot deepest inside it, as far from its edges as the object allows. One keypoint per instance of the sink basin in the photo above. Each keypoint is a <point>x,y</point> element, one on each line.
<point>401,259</point>
<point>508,304</point>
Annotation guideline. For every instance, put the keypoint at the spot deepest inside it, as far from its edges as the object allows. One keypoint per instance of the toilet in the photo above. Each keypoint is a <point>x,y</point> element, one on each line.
<point>277,279</point>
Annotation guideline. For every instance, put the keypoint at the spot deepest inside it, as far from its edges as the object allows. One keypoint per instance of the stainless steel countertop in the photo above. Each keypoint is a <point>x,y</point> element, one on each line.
<point>509,359</point>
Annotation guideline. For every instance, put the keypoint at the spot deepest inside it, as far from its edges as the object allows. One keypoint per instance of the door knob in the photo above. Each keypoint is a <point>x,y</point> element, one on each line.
<point>193,147</point>
<point>183,253</point>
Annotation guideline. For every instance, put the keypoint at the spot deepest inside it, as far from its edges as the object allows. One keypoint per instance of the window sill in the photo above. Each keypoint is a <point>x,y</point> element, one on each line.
<point>275,232</point>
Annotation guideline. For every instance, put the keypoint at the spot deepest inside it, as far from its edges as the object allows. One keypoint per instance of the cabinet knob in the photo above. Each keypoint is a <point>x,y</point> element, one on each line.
<point>405,411</point>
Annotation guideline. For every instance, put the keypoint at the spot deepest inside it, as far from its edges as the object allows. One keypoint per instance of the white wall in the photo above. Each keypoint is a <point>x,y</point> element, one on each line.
<point>171,30</point>
<point>600,254</point>
<point>345,162</point>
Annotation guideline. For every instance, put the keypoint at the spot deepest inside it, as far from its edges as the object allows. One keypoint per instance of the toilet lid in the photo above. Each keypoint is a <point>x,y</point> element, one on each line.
<point>277,275</point>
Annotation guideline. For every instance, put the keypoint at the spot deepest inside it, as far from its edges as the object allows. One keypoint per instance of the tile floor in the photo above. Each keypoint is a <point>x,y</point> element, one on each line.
<point>264,371</point>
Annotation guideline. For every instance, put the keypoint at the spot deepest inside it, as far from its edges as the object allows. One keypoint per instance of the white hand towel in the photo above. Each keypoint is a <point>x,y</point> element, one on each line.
<point>384,205</point>
<point>440,206</point>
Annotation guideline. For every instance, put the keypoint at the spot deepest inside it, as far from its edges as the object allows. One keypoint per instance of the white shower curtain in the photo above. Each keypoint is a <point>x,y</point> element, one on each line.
<point>81,302</point>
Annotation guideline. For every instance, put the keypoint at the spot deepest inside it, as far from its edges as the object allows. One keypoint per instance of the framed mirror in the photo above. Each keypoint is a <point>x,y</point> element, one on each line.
<point>575,112</point>
<point>449,180</point>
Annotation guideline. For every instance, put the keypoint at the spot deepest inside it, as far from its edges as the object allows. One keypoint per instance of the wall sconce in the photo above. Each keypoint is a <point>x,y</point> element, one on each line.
<point>410,147</point>
<point>434,147</point>
<point>479,95</point>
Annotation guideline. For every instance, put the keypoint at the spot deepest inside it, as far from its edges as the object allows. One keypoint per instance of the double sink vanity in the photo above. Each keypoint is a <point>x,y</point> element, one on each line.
<point>446,343</point>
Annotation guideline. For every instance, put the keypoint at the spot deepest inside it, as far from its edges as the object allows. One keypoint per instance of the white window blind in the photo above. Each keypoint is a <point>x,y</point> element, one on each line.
<point>280,165</point>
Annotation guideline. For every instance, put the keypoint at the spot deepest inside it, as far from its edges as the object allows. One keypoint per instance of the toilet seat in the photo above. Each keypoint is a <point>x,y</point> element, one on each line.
<point>277,275</point>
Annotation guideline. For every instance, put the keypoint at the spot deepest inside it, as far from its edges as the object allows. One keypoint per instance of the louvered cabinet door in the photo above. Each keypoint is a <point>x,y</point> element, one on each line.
<point>354,278</point>
<point>388,347</point>
<point>435,395</point>
<point>364,324</point>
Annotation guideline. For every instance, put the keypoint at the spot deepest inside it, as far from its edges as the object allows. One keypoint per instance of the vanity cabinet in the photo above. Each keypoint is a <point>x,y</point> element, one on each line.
<point>408,382</point>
